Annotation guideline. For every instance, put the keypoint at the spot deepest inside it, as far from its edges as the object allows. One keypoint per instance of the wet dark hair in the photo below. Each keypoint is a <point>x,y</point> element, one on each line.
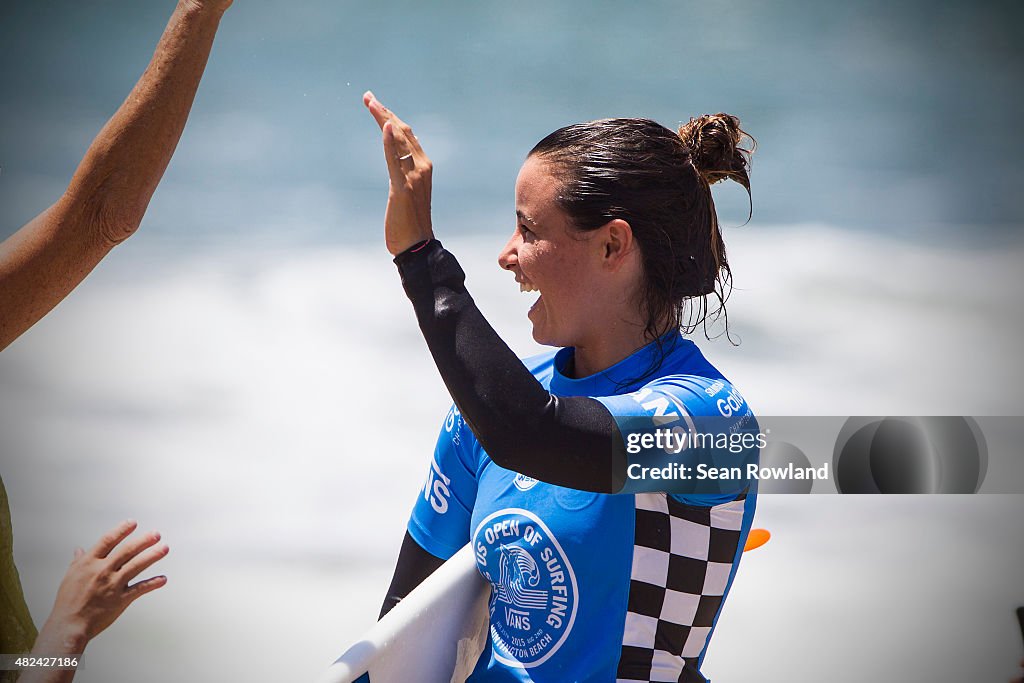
<point>659,181</point>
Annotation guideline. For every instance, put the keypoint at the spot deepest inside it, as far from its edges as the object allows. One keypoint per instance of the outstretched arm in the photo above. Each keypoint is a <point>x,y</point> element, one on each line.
<point>108,195</point>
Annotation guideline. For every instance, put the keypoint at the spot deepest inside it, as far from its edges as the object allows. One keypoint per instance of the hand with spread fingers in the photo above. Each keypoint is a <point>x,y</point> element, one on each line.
<point>97,588</point>
<point>407,218</point>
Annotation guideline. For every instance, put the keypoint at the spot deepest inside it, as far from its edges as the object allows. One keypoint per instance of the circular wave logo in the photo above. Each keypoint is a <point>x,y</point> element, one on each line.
<point>534,593</point>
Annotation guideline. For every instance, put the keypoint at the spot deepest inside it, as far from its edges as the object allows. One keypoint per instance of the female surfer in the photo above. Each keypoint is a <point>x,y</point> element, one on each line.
<point>616,229</point>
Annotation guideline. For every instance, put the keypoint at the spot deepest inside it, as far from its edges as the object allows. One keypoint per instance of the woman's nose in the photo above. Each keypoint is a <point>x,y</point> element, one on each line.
<point>509,256</point>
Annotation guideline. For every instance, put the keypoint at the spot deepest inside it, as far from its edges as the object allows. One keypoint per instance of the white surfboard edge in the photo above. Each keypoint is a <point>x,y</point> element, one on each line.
<point>435,634</point>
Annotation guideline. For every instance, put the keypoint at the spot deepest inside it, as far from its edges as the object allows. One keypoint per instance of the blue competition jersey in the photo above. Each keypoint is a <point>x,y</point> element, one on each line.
<point>589,586</point>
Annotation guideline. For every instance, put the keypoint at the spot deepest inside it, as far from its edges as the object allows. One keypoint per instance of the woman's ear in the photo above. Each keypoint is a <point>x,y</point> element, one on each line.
<point>617,243</point>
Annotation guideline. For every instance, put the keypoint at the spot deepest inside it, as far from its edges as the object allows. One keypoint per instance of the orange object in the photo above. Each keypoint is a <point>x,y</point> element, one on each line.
<point>756,538</point>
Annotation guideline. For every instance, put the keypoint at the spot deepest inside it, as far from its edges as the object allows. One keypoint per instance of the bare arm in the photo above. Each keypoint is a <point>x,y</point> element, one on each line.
<point>108,195</point>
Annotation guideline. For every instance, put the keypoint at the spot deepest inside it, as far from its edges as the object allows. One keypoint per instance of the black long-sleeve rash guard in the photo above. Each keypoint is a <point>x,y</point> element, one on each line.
<point>569,441</point>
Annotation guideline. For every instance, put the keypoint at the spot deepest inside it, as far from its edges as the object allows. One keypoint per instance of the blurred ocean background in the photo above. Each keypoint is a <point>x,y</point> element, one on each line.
<point>246,376</point>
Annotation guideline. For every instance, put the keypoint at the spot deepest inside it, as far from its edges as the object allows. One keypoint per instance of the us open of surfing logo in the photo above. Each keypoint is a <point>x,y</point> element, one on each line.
<point>534,596</point>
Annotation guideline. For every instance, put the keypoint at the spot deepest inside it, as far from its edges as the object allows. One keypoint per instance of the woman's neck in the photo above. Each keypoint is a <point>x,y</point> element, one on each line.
<point>602,351</point>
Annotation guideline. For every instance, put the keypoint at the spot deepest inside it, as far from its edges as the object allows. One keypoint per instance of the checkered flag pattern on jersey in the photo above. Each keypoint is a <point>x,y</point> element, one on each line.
<point>683,556</point>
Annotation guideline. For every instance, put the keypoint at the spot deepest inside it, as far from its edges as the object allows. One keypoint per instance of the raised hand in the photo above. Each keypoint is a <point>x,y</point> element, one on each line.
<point>407,218</point>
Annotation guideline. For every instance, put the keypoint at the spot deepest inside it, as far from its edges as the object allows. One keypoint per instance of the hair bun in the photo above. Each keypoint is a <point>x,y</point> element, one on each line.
<point>715,151</point>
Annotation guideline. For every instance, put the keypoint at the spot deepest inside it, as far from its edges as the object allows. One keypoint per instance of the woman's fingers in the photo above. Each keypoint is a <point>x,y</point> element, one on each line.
<point>407,141</point>
<point>110,539</point>
<point>141,563</point>
<point>395,143</point>
<point>379,112</point>
<point>399,160</point>
<point>382,114</point>
<point>407,217</point>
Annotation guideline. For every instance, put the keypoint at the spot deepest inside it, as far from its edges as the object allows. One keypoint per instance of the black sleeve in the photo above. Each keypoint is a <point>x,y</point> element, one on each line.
<point>414,565</point>
<point>569,441</point>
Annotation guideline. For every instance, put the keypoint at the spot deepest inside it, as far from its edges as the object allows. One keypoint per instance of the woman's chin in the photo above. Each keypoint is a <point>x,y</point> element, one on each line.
<point>536,319</point>
<point>540,335</point>
<point>547,337</point>
<point>542,332</point>
<point>537,333</point>
<point>541,339</point>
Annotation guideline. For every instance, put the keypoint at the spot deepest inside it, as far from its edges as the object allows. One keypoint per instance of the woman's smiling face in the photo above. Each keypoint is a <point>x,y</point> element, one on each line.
<point>548,254</point>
